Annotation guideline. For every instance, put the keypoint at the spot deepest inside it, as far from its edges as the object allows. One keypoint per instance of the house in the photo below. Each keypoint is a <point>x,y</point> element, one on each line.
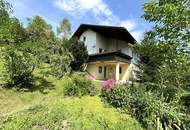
<point>109,54</point>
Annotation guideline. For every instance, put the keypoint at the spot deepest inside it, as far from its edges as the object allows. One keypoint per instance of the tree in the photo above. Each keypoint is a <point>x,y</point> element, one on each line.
<point>169,39</point>
<point>5,8</point>
<point>19,66</point>
<point>172,20</point>
<point>164,58</point>
<point>79,52</point>
<point>64,29</point>
<point>60,59</point>
<point>150,58</point>
<point>11,31</point>
<point>39,29</point>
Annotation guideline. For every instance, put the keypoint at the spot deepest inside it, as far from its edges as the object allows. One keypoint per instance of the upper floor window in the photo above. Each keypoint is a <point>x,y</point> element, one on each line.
<point>84,39</point>
<point>100,50</point>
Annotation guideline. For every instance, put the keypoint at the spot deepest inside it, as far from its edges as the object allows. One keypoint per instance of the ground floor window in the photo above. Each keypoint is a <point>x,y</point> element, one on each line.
<point>100,69</point>
<point>120,70</point>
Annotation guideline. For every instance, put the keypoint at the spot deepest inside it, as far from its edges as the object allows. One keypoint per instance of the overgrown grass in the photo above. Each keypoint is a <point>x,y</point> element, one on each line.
<point>48,109</point>
<point>86,113</point>
<point>44,107</point>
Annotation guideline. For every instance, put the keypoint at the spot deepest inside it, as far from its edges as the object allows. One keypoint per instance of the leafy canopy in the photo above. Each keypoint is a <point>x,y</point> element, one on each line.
<point>64,29</point>
<point>172,20</point>
<point>11,31</point>
<point>38,29</point>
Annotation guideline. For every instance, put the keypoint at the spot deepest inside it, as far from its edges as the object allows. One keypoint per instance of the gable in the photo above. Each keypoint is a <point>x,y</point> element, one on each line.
<point>113,32</point>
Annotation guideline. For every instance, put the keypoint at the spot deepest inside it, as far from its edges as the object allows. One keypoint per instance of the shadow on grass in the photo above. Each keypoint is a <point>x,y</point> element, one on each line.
<point>39,84</point>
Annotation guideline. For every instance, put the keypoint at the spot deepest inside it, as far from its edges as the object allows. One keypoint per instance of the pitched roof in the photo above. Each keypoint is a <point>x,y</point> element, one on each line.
<point>114,32</point>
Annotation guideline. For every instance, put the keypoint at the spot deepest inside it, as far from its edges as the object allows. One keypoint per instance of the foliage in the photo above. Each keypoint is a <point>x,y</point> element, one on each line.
<point>38,29</point>
<point>60,59</point>
<point>19,67</point>
<point>64,29</point>
<point>171,26</point>
<point>150,57</point>
<point>77,85</point>
<point>114,95</point>
<point>166,43</point>
<point>79,52</point>
<point>152,111</point>
<point>78,113</point>
<point>147,107</point>
<point>5,9</point>
<point>11,30</point>
<point>5,6</point>
<point>163,61</point>
<point>174,78</point>
<point>52,53</point>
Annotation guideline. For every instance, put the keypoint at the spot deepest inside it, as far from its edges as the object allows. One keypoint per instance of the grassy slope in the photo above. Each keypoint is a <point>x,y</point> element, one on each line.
<point>50,110</point>
<point>46,108</point>
<point>86,113</point>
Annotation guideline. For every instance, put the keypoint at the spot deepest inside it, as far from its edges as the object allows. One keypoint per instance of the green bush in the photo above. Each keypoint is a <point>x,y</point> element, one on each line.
<point>78,85</point>
<point>148,108</point>
<point>152,111</point>
<point>116,97</point>
<point>19,67</point>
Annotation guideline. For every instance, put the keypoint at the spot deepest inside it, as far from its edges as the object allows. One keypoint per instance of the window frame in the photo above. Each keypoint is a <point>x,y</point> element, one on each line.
<point>120,70</point>
<point>101,50</point>
<point>100,69</point>
<point>84,38</point>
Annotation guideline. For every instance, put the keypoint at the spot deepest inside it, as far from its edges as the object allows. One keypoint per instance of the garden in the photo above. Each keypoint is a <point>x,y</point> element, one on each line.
<point>43,84</point>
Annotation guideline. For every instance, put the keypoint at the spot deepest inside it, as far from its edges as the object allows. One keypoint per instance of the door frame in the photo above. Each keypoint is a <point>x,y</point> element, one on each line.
<point>105,72</point>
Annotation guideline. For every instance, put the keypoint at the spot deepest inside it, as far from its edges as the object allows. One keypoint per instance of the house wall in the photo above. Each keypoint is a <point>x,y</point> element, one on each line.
<point>93,69</point>
<point>101,42</point>
<point>126,72</point>
<point>90,41</point>
<point>94,41</point>
<point>115,44</point>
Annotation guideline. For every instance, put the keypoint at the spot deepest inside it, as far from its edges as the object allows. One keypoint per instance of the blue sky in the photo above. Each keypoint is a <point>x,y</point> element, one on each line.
<point>126,13</point>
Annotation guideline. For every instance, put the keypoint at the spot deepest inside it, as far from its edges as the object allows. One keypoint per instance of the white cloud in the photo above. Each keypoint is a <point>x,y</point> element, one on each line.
<point>133,27</point>
<point>129,24</point>
<point>137,34</point>
<point>100,11</point>
<point>78,8</point>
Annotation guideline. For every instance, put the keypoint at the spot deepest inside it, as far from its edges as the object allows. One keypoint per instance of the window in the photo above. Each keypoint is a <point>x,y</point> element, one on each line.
<point>84,39</point>
<point>120,70</point>
<point>100,69</point>
<point>100,50</point>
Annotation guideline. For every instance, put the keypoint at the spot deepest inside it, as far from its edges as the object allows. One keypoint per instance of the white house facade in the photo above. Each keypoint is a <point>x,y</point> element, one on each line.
<point>109,54</point>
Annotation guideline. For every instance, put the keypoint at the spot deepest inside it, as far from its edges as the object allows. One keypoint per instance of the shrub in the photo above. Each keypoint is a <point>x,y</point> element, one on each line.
<point>19,67</point>
<point>148,108</point>
<point>77,85</point>
<point>115,95</point>
<point>151,110</point>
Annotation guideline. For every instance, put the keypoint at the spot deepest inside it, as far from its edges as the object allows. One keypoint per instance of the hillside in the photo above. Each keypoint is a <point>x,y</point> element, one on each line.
<point>45,107</point>
<point>86,113</point>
